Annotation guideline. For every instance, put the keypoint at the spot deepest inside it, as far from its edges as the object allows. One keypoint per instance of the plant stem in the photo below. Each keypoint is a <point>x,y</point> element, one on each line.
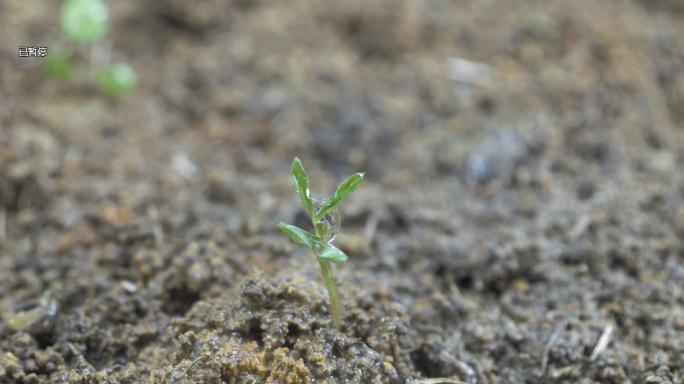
<point>336,305</point>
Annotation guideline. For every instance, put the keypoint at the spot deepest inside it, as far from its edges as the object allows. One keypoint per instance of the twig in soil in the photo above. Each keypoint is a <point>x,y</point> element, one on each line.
<point>580,227</point>
<point>429,328</point>
<point>73,350</point>
<point>115,367</point>
<point>174,378</point>
<point>549,345</point>
<point>370,227</point>
<point>3,224</point>
<point>657,105</point>
<point>602,342</point>
<point>156,227</point>
<point>437,380</point>
<point>452,286</point>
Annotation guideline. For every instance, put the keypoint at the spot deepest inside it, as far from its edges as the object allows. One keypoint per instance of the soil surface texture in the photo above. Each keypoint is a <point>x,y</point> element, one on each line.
<point>521,219</point>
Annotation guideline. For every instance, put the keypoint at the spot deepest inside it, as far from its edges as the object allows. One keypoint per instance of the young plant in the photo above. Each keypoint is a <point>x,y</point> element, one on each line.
<point>326,221</point>
<point>83,22</point>
<point>117,80</point>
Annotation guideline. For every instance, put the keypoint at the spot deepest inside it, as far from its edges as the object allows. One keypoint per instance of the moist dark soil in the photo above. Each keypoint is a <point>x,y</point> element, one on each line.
<point>520,221</point>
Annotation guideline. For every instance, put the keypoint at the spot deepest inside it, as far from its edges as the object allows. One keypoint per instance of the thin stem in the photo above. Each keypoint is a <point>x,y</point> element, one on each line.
<point>336,305</point>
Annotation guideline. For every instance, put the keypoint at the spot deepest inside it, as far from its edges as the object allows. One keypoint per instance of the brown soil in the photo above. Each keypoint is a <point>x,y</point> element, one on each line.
<point>500,230</point>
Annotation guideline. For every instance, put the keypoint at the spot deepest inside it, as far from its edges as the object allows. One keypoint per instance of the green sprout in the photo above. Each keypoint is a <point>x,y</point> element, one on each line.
<point>326,220</point>
<point>84,20</point>
<point>87,21</point>
<point>117,80</point>
<point>59,66</point>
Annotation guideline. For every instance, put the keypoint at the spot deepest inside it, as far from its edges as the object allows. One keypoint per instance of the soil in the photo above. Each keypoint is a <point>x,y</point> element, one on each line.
<point>520,221</point>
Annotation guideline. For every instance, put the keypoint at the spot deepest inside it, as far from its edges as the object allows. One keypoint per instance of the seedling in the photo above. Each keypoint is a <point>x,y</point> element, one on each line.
<point>117,80</point>
<point>59,66</point>
<point>83,22</point>
<point>326,221</point>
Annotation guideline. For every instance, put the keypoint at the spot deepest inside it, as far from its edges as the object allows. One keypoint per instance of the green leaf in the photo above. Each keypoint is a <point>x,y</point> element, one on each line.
<point>301,236</point>
<point>84,20</point>
<point>301,185</point>
<point>58,66</point>
<point>332,253</point>
<point>117,80</point>
<point>345,189</point>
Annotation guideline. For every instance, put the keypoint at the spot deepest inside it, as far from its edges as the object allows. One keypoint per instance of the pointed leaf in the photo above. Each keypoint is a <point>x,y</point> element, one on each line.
<point>332,253</point>
<point>301,184</point>
<point>345,189</point>
<point>301,236</point>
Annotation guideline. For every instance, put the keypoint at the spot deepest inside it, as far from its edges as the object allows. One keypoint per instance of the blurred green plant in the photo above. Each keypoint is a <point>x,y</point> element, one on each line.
<point>87,21</point>
<point>59,66</point>
<point>117,80</point>
<point>326,221</point>
<point>84,20</point>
